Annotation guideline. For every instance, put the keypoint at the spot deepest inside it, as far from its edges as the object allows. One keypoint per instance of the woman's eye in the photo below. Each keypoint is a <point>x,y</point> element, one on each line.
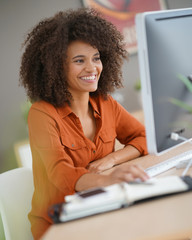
<point>79,61</point>
<point>97,59</point>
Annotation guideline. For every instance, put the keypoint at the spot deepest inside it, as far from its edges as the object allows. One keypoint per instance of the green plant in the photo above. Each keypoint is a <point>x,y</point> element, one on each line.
<point>137,85</point>
<point>25,109</point>
<point>180,103</point>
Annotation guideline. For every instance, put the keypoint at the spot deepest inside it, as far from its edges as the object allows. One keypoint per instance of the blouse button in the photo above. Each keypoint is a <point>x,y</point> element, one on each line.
<point>94,151</point>
<point>73,145</point>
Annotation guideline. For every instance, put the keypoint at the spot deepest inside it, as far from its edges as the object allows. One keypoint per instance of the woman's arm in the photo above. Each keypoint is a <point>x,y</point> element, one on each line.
<point>120,173</point>
<point>127,153</point>
<point>129,131</point>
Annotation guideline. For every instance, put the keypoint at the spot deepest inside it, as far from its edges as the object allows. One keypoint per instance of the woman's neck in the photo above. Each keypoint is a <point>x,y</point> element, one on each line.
<point>80,106</point>
<point>83,110</point>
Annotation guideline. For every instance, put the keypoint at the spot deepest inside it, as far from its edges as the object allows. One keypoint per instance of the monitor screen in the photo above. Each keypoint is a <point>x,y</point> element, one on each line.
<point>165,62</point>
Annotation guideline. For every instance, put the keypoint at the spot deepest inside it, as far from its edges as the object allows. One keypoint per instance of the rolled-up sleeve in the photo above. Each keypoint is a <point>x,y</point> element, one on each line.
<point>129,130</point>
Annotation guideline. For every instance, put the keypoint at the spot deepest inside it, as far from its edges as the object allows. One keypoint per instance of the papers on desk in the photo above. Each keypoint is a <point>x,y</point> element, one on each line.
<point>116,196</point>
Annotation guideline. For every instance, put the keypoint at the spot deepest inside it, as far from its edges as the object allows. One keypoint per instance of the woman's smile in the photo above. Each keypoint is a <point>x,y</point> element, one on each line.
<point>89,78</point>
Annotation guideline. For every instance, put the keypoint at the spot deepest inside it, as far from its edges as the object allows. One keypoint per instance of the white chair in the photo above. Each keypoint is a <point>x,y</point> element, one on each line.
<point>16,189</point>
<point>23,154</point>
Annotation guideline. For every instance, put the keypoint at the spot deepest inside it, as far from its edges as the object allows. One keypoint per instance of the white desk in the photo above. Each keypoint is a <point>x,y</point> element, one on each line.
<point>168,218</point>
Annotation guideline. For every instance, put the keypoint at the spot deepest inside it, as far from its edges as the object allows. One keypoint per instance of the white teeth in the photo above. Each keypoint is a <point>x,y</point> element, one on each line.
<point>88,78</point>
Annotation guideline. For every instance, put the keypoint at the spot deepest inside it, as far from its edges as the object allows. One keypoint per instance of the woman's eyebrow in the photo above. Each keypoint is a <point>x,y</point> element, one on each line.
<point>97,53</point>
<point>80,56</point>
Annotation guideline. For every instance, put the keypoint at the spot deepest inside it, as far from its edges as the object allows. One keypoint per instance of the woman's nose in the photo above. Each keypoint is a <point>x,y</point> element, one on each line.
<point>90,66</point>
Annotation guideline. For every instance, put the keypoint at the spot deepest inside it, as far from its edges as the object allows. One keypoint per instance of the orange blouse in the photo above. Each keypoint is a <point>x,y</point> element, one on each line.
<point>61,152</point>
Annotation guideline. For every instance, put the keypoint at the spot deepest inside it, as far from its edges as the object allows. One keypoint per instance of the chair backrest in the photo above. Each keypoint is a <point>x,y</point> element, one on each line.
<point>23,154</point>
<point>16,190</point>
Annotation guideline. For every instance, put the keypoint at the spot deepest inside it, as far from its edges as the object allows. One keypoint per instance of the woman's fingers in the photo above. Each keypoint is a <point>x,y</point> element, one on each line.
<point>128,177</point>
<point>138,172</point>
<point>129,173</point>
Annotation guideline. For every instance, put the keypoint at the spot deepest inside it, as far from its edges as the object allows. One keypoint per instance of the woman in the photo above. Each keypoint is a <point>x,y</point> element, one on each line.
<point>70,65</point>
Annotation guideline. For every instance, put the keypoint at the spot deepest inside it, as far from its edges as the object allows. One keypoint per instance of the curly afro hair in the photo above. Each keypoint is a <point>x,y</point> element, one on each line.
<point>42,71</point>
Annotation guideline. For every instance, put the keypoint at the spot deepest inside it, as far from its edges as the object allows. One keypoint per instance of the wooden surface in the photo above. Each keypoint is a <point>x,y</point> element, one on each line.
<point>168,218</point>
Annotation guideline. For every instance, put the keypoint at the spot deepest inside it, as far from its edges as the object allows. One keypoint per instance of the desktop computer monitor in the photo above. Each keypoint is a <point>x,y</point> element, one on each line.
<point>165,56</point>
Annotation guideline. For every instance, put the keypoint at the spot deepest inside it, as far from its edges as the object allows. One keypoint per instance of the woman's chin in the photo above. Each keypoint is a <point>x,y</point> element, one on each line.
<point>93,88</point>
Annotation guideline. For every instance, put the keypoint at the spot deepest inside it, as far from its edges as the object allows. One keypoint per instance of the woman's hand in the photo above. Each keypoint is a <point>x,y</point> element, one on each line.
<point>123,155</point>
<point>128,173</point>
<point>121,173</point>
<point>101,165</point>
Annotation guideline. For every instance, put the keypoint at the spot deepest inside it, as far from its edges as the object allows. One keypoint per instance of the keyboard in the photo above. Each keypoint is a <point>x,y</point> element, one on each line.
<point>168,164</point>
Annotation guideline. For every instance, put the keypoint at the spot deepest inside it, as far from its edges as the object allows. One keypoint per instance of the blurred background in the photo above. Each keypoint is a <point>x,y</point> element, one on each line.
<point>17,17</point>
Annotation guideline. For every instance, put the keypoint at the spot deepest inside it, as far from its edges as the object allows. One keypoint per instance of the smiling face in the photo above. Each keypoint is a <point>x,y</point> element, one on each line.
<point>84,68</point>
